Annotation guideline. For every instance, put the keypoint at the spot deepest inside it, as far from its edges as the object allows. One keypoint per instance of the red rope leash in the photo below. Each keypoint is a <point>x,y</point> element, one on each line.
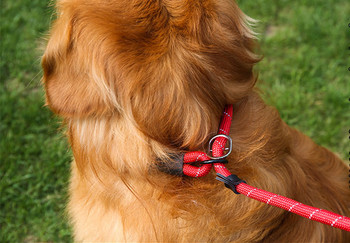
<point>239,186</point>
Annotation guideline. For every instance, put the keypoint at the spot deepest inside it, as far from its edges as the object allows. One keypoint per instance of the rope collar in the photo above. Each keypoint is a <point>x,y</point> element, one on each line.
<point>183,165</point>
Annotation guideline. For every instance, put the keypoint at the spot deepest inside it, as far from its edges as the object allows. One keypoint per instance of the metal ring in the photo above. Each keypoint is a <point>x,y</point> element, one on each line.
<point>230,147</point>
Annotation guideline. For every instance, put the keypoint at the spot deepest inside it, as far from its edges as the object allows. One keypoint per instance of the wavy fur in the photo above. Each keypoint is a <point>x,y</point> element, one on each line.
<point>137,80</point>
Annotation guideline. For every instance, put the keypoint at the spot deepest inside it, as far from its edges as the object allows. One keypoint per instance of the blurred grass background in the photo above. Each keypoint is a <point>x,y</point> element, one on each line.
<point>304,74</point>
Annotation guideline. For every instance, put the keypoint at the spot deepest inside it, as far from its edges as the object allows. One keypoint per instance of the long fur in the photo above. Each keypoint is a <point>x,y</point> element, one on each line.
<point>138,80</point>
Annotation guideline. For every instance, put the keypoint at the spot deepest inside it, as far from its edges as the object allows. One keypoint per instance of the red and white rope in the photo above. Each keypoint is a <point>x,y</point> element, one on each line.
<point>320,215</point>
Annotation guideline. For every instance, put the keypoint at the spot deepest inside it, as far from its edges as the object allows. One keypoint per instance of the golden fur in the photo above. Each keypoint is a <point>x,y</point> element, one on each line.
<point>137,80</point>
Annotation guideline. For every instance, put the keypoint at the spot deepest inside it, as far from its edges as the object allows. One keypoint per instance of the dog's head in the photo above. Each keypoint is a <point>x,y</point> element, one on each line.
<point>168,65</point>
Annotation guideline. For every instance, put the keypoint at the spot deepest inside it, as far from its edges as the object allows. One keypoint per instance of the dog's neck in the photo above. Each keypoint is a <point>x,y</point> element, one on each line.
<point>111,145</point>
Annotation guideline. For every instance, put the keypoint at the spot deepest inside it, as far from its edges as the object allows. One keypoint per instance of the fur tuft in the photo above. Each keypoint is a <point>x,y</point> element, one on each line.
<point>136,81</point>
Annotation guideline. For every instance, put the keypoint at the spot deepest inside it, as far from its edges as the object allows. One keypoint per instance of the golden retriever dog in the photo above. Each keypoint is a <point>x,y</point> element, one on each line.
<point>137,81</point>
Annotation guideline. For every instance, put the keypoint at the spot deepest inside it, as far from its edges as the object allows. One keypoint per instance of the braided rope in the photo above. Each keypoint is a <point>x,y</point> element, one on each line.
<point>316,214</point>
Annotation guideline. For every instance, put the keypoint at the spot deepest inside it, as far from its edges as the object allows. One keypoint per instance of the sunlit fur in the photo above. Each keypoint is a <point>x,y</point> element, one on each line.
<point>137,80</point>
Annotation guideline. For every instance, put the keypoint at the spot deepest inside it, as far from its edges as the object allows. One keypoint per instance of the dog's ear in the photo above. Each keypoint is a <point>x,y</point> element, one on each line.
<point>71,88</point>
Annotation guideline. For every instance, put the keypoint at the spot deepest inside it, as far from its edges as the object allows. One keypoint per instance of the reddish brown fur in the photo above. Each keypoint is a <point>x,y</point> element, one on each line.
<point>136,80</point>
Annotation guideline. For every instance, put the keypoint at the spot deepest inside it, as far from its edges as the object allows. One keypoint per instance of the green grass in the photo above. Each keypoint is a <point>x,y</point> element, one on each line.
<point>34,156</point>
<point>304,74</point>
